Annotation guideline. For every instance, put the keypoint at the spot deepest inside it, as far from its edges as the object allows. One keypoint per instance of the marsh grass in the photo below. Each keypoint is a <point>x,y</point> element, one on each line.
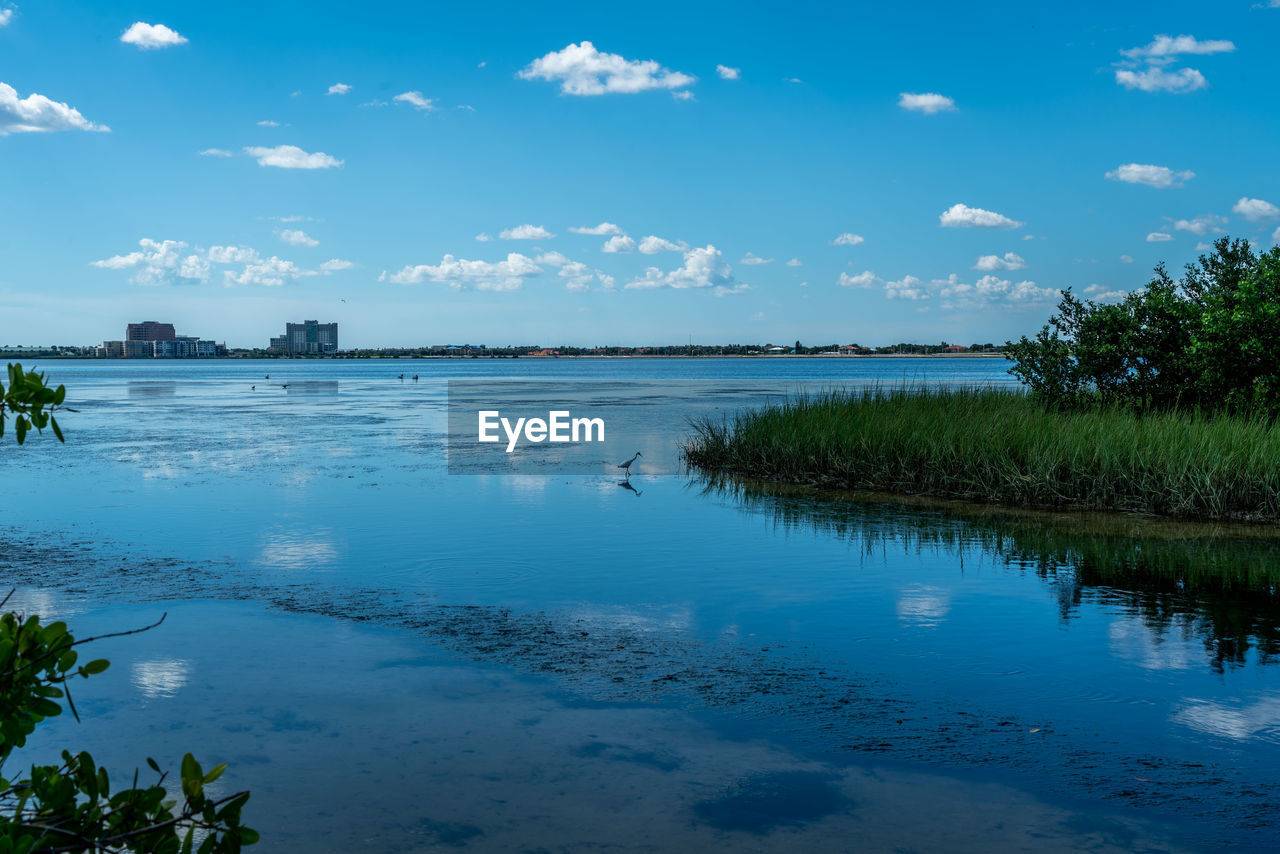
<point>1002,446</point>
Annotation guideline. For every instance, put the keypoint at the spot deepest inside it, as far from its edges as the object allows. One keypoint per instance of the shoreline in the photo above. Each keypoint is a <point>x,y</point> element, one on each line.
<point>265,358</point>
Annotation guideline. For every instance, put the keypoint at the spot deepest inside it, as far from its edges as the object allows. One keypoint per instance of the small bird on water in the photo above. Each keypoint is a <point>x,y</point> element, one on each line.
<point>626,467</point>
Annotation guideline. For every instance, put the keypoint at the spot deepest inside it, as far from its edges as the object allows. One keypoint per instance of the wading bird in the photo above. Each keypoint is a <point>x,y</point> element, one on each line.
<point>626,467</point>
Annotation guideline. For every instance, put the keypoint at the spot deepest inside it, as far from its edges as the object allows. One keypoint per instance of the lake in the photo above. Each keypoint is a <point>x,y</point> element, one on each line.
<point>394,657</point>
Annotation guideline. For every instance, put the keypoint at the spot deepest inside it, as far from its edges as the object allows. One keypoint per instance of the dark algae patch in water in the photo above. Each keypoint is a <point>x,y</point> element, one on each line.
<point>765,802</point>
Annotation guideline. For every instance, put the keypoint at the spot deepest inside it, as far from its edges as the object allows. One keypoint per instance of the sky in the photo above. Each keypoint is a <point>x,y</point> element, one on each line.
<point>590,174</point>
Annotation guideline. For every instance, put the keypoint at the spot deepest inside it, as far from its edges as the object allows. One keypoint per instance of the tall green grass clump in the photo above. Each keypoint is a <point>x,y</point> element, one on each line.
<point>1004,446</point>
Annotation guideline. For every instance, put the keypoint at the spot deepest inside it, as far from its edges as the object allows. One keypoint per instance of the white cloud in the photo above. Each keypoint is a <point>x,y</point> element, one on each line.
<point>598,230</point>
<point>754,260</point>
<point>526,232</point>
<point>1275,235</point>
<point>847,239</point>
<point>1159,80</point>
<point>908,288</point>
<point>1010,261</point>
<point>339,89</point>
<point>1159,237</point>
<point>653,244</point>
<point>232,255</point>
<point>619,243</point>
<point>169,263</point>
<point>215,152</point>
<point>865,279</point>
<point>1170,46</point>
<point>269,272</point>
<point>795,262</point>
<point>291,157</point>
<point>1255,210</point>
<point>6,15</point>
<point>335,264</point>
<point>38,114</point>
<point>577,275</point>
<point>459,273</point>
<point>990,289</point>
<point>553,258</point>
<point>297,237</point>
<point>1126,259</point>
<point>953,293</point>
<point>1102,293</point>
<point>727,73</point>
<point>151,36</point>
<point>702,268</point>
<point>963,216</point>
<point>483,238</point>
<point>1157,57</point>
<point>1160,177</point>
<point>582,70</point>
<point>1202,225</point>
<point>683,95</point>
<point>925,102</point>
<point>415,100</point>
<point>268,123</point>
<point>724,290</point>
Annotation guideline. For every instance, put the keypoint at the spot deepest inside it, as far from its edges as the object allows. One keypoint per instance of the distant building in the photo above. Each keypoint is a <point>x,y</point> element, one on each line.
<point>957,348</point>
<point>150,330</point>
<point>308,338</point>
<point>181,347</point>
<point>168,346</point>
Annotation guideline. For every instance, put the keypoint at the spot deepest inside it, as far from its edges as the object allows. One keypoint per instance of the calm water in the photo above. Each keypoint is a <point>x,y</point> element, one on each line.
<point>394,658</point>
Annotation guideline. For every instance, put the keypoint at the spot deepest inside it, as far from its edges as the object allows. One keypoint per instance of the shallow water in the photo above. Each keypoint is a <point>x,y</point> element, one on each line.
<point>396,657</point>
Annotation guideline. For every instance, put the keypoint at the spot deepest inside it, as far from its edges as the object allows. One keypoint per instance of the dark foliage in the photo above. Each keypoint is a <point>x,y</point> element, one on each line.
<point>1208,341</point>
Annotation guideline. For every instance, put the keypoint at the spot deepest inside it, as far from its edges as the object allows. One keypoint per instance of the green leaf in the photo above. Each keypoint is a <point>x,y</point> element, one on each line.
<point>96,666</point>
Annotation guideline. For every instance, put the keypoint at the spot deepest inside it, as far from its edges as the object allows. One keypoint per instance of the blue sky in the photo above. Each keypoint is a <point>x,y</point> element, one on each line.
<point>232,166</point>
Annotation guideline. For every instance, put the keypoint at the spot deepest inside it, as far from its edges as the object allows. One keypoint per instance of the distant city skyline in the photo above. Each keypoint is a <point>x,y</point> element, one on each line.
<point>581,175</point>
